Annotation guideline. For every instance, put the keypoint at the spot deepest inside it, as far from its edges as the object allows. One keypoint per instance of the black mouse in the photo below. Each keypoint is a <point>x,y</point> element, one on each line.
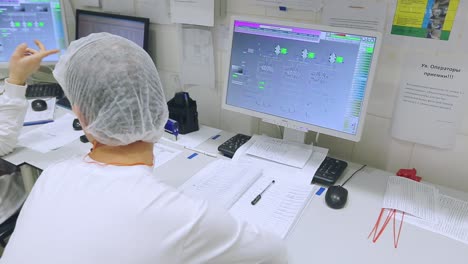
<point>336,196</point>
<point>39,105</point>
<point>76,124</point>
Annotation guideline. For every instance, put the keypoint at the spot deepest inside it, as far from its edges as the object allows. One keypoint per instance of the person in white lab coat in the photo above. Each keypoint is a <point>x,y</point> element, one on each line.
<point>23,62</point>
<point>108,207</point>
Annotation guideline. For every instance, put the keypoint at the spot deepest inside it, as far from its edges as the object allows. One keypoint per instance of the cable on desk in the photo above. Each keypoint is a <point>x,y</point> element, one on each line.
<point>363,166</point>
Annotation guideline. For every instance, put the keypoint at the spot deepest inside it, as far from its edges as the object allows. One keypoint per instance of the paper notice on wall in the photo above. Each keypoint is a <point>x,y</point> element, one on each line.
<point>429,106</point>
<point>431,19</point>
<point>94,3</point>
<point>156,10</point>
<point>314,5</point>
<point>124,7</point>
<point>355,14</point>
<point>193,12</point>
<point>197,58</point>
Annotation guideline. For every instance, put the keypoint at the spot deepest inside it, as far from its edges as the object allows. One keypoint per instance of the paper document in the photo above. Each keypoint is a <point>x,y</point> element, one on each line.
<point>431,100</point>
<point>198,68</point>
<point>305,174</point>
<point>281,151</point>
<point>355,14</point>
<point>163,154</point>
<point>452,219</point>
<point>280,206</point>
<point>222,182</point>
<point>123,7</point>
<point>194,12</point>
<point>50,136</point>
<point>412,197</point>
<point>234,185</point>
<point>40,117</point>
<point>315,5</point>
<point>156,10</point>
<point>195,138</point>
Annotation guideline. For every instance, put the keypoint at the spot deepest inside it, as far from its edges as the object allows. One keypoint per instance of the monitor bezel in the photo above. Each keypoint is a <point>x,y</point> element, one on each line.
<point>288,123</point>
<point>145,20</point>
<point>5,64</point>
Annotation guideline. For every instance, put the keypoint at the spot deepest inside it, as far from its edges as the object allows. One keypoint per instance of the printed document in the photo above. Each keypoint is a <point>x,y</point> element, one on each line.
<point>50,136</point>
<point>431,100</point>
<point>233,186</point>
<point>412,197</point>
<point>281,151</point>
<point>303,174</point>
<point>452,219</point>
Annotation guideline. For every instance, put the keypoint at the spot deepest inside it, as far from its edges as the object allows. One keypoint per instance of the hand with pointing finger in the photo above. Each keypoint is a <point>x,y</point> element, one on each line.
<point>25,61</point>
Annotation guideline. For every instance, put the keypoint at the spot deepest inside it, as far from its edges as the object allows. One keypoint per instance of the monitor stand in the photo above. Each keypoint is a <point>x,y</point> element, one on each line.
<point>294,135</point>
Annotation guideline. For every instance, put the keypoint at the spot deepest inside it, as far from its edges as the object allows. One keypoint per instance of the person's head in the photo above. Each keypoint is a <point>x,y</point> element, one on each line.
<point>114,88</point>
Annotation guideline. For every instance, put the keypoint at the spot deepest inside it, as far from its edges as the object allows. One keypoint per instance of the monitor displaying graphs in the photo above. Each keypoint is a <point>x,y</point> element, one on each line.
<point>308,75</point>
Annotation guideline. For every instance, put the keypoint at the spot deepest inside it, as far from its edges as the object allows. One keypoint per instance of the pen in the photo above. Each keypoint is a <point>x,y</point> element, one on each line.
<point>202,152</point>
<point>255,201</point>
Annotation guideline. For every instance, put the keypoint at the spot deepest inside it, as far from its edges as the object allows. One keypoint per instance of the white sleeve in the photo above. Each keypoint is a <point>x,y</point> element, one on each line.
<point>217,237</point>
<point>13,105</point>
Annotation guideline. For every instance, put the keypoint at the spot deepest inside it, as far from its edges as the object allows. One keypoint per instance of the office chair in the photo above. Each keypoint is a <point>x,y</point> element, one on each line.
<point>6,229</point>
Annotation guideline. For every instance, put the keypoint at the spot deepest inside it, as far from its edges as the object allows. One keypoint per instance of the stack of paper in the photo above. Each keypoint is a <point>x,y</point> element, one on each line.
<point>428,209</point>
<point>234,186</point>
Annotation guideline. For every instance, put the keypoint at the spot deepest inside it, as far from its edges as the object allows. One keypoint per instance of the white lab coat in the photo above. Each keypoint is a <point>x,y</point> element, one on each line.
<point>13,106</point>
<point>82,212</point>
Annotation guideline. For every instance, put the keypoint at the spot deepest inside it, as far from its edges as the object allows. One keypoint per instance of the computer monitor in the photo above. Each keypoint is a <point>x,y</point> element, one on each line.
<point>301,76</point>
<point>23,21</point>
<point>135,29</point>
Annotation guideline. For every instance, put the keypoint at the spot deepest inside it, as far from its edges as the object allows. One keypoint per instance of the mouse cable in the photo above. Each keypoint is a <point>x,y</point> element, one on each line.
<point>363,166</point>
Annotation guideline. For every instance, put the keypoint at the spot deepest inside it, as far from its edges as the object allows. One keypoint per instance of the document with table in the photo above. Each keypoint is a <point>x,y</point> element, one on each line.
<point>235,185</point>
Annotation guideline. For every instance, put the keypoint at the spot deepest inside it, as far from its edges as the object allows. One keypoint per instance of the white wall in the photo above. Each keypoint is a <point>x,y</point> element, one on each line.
<point>377,148</point>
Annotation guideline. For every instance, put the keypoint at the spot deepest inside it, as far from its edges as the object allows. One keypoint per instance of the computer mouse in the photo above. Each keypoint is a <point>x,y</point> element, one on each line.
<point>336,197</point>
<point>39,105</point>
<point>76,124</point>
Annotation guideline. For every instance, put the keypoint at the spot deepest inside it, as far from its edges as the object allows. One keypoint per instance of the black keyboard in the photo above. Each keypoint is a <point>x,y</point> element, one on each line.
<point>230,146</point>
<point>329,171</point>
<point>44,90</point>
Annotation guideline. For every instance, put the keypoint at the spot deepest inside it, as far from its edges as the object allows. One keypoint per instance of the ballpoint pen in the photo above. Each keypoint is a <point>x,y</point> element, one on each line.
<point>255,201</point>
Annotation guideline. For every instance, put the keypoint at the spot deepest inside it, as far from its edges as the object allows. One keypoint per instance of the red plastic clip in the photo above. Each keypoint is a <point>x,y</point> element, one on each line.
<point>409,173</point>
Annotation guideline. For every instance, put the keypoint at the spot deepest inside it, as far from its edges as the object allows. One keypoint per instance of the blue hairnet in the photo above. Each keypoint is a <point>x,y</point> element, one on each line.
<point>116,87</point>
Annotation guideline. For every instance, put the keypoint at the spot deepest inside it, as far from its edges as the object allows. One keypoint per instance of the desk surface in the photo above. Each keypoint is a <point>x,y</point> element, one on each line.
<point>322,235</point>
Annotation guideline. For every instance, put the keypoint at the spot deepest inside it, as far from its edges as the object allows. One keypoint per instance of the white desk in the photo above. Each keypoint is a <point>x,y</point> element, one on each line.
<point>322,235</point>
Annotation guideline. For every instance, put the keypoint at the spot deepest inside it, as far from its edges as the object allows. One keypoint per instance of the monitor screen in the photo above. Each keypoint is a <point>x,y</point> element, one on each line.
<point>23,21</point>
<point>308,77</point>
<point>133,28</point>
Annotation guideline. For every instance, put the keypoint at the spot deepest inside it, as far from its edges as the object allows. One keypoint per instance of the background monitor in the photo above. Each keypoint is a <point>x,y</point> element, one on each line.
<point>135,29</point>
<point>23,21</point>
<point>301,76</point>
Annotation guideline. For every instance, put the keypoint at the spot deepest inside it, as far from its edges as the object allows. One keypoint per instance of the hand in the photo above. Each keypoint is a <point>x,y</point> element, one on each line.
<point>25,61</point>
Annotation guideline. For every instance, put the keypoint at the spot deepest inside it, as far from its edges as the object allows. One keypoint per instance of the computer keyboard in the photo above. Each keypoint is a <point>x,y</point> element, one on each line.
<point>44,90</point>
<point>329,171</point>
<point>230,146</point>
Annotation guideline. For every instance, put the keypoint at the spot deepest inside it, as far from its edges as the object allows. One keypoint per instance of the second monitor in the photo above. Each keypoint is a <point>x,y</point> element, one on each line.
<point>135,29</point>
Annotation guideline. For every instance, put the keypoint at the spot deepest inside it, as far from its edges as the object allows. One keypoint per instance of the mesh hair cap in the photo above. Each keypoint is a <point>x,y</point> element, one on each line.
<point>116,87</point>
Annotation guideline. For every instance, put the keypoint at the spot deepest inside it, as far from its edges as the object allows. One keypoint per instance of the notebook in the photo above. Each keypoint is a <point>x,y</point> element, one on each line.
<point>234,185</point>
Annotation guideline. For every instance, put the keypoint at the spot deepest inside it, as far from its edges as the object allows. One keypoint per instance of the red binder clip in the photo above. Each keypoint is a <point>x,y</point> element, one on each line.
<point>409,173</point>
